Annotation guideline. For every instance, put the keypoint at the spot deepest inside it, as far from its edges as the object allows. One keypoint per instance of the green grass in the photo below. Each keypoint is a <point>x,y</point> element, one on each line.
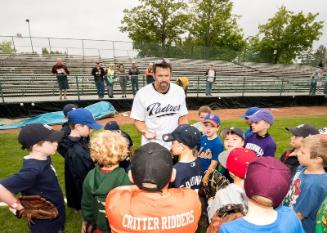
<point>11,159</point>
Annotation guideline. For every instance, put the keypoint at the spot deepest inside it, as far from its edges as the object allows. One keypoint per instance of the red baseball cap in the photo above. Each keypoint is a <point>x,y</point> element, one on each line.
<point>238,161</point>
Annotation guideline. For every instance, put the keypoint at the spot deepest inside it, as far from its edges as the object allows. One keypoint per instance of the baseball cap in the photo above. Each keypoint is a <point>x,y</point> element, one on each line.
<point>151,167</point>
<point>186,134</point>
<point>222,158</point>
<point>68,107</point>
<point>238,161</point>
<point>83,116</point>
<point>263,114</point>
<point>250,112</point>
<point>112,125</point>
<point>34,133</point>
<point>303,130</point>
<point>232,130</point>
<point>213,119</point>
<point>269,178</point>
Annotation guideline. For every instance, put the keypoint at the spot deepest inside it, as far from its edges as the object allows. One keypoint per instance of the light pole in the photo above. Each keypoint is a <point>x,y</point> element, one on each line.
<point>29,32</point>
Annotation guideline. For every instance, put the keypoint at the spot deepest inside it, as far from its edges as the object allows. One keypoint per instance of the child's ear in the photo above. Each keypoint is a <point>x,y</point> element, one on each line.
<point>130,176</point>
<point>173,175</point>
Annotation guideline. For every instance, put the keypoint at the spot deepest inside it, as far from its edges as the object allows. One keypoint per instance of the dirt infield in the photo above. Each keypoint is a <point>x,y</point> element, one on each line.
<point>224,114</point>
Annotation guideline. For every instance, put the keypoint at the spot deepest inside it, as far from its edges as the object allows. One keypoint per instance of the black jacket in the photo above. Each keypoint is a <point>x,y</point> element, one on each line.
<point>77,164</point>
<point>98,72</point>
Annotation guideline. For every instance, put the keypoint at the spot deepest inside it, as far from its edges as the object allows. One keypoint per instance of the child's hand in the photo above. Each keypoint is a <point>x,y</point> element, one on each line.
<point>149,135</point>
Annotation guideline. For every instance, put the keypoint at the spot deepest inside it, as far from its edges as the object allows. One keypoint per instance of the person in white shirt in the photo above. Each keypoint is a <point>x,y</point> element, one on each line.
<point>159,107</point>
<point>211,78</point>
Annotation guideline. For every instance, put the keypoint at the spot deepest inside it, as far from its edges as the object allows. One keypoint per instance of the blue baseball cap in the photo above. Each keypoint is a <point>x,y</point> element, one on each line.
<point>250,112</point>
<point>186,134</point>
<point>83,116</point>
<point>263,114</point>
<point>213,119</point>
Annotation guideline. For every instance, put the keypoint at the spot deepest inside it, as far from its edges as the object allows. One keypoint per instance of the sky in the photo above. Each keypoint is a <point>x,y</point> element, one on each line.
<point>100,19</point>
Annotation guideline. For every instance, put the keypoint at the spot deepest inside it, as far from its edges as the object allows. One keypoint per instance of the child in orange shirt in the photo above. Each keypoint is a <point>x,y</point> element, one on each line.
<point>151,206</point>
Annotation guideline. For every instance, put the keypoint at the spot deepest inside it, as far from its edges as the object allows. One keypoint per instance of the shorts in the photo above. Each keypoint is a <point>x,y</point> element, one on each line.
<point>62,82</point>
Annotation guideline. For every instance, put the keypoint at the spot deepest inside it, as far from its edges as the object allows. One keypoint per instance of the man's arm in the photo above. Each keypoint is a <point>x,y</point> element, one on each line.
<point>183,120</point>
<point>141,127</point>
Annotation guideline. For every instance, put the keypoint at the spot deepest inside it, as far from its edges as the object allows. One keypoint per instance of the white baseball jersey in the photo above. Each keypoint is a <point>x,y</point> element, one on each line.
<point>160,112</point>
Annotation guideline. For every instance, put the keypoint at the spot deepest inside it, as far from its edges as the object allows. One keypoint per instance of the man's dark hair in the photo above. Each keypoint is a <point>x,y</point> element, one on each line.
<point>163,64</point>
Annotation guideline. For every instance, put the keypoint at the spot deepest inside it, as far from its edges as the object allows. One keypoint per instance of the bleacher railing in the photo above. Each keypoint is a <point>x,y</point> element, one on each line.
<point>14,88</point>
<point>113,49</point>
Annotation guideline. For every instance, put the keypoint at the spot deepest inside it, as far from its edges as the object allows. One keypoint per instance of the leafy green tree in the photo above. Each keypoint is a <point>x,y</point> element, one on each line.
<point>320,55</point>
<point>285,36</point>
<point>155,25</point>
<point>6,47</point>
<point>45,51</point>
<point>215,27</point>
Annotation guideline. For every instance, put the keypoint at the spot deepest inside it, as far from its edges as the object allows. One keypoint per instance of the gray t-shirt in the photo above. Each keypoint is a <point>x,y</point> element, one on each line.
<point>232,194</point>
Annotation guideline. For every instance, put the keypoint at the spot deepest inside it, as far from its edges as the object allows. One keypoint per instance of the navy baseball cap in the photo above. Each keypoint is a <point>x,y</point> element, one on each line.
<point>112,125</point>
<point>83,116</point>
<point>151,167</point>
<point>213,119</point>
<point>232,130</point>
<point>68,107</point>
<point>186,134</point>
<point>264,115</point>
<point>303,130</point>
<point>250,112</point>
<point>34,133</point>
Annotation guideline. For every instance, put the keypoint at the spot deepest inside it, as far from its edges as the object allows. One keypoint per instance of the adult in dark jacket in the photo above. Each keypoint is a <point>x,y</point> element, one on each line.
<point>122,78</point>
<point>134,72</point>
<point>98,73</point>
<point>61,72</point>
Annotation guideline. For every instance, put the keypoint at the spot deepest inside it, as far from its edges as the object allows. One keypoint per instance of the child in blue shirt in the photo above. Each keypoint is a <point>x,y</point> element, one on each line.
<point>37,176</point>
<point>188,169</point>
<point>210,145</point>
<point>309,185</point>
<point>250,111</point>
<point>266,183</point>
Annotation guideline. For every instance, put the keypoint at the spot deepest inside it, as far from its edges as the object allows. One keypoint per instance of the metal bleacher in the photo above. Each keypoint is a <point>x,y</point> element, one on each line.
<point>24,76</point>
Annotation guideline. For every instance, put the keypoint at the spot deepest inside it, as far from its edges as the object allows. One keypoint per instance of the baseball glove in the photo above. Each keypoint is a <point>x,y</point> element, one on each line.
<point>224,214</point>
<point>36,207</point>
<point>216,181</point>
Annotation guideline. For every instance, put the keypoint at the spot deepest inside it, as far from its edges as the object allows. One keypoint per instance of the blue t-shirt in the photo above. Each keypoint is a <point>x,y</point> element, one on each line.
<point>209,150</point>
<point>262,146</point>
<point>38,177</point>
<point>188,175</point>
<point>305,195</point>
<point>286,222</point>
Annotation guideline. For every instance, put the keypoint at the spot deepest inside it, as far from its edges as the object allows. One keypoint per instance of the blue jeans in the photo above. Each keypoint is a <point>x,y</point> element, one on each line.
<point>135,84</point>
<point>208,87</point>
<point>100,86</point>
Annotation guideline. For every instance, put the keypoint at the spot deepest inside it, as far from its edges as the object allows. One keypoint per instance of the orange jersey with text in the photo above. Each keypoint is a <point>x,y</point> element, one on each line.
<point>130,209</point>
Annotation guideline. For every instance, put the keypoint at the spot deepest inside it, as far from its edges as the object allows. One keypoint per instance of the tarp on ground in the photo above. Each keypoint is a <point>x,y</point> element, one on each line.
<point>99,110</point>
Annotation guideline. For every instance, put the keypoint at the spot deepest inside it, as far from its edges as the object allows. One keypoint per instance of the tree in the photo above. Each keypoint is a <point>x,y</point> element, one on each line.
<point>6,47</point>
<point>155,23</point>
<point>286,35</point>
<point>320,56</point>
<point>214,26</point>
<point>45,51</point>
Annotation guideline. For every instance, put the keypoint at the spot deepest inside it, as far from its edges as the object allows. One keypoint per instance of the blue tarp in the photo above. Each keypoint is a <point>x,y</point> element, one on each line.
<point>99,110</point>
